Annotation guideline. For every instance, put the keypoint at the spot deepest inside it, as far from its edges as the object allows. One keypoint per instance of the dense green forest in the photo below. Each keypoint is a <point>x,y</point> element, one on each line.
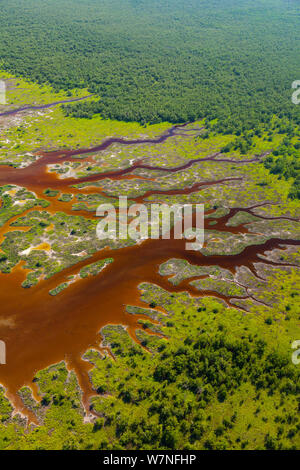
<point>198,372</point>
<point>232,62</point>
<point>160,60</point>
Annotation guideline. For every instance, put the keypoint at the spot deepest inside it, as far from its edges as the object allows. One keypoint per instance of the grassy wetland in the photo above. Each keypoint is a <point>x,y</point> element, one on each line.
<point>123,344</point>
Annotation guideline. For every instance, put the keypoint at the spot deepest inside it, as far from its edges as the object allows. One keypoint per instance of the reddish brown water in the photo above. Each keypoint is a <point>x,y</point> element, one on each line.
<point>40,330</point>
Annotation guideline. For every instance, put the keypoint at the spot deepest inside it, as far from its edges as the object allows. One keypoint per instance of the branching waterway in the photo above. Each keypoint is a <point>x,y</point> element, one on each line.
<point>13,112</point>
<point>40,330</point>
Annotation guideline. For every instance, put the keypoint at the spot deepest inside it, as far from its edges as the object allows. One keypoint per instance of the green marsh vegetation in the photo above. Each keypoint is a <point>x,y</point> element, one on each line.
<point>218,377</point>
